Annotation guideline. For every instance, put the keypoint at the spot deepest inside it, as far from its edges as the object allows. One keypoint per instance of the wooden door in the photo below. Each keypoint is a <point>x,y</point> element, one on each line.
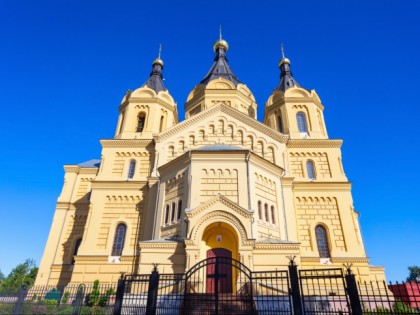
<point>219,270</point>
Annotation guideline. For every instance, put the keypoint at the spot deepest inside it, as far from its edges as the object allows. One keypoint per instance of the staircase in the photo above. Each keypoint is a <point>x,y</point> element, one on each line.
<point>228,304</point>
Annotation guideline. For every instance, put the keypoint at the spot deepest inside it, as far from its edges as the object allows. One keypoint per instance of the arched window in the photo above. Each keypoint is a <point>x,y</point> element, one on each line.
<point>76,249</point>
<point>273,215</point>
<point>179,210</point>
<point>259,210</point>
<point>267,218</point>
<point>310,168</point>
<point>173,212</point>
<point>167,214</point>
<point>301,122</point>
<point>141,120</point>
<point>131,169</point>
<point>322,241</point>
<point>279,123</point>
<point>119,239</point>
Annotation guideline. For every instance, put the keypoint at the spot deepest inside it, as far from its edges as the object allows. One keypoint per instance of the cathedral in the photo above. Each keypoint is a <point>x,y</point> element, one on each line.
<point>219,183</point>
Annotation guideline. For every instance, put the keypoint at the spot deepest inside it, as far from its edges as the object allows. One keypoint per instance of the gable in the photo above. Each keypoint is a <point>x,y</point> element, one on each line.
<point>220,124</point>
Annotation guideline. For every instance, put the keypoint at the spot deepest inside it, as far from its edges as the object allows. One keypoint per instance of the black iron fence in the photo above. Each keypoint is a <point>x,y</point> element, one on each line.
<point>220,286</point>
<point>71,299</point>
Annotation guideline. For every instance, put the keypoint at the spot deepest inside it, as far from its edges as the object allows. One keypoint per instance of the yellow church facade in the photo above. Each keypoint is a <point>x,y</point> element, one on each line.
<point>218,183</point>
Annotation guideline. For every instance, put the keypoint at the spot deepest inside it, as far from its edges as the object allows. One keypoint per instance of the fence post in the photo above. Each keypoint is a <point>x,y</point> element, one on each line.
<point>21,299</point>
<point>152,293</point>
<point>119,295</point>
<point>356,306</point>
<point>294,288</point>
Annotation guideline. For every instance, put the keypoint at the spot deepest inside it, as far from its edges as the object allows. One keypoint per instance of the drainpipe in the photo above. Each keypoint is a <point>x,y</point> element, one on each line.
<point>188,203</point>
<point>284,205</point>
<point>249,191</point>
<point>249,203</point>
<point>157,196</point>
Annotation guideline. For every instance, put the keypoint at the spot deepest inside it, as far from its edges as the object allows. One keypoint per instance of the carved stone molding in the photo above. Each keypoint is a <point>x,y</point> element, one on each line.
<point>126,143</point>
<point>253,123</point>
<point>338,260</point>
<point>284,247</point>
<point>312,143</point>
<point>221,216</point>
<point>158,245</point>
<point>223,200</point>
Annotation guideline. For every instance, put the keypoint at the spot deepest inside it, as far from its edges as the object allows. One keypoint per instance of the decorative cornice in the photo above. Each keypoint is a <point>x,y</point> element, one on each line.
<point>321,186</point>
<point>219,199</point>
<point>337,260</point>
<point>260,246</point>
<point>314,143</point>
<point>125,143</point>
<point>119,185</point>
<point>91,258</point>
<point>102,258</point>
<point>158,245</point>
<point>376,268</point>
<point>88,170</point>
<point>225,110</point>
<point>260,162</point>
<point>63,205</point>
<point>177,163</point>
<point>72,169</point>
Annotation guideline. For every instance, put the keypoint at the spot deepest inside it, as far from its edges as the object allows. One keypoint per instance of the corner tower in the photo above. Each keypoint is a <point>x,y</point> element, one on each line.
<point>220,86</point>
<point>147,110</point>
<point>293,110</point>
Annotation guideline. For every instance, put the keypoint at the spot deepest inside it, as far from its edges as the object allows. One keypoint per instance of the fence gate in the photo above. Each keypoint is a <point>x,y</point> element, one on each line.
<point>324,291</point>
<point>218,285</point>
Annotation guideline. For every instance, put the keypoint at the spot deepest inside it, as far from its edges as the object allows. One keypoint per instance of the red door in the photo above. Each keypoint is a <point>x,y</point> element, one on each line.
<point>222,274</point>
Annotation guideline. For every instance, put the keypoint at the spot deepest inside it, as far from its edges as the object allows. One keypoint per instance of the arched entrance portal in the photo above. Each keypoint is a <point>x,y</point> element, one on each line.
<point>220,240</point>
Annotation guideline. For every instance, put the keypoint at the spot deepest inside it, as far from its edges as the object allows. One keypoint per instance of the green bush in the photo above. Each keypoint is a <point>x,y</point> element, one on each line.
<point>65,298</point>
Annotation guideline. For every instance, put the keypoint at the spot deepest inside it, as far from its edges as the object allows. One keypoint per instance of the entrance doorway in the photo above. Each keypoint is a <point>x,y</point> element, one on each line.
<point>219,276</point>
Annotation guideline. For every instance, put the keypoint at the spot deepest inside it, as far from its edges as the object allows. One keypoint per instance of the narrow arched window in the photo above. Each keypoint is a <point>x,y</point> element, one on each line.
<point>131,169</point>
<point>259,210</point>
<point>322,241</point>
<point>179,210</point>
<point>273,215</point>
<point>267,218</point>
<point>76,249</point>
<point>141,119</point>
<point>119,239</point>
<point>173,212</point>
<point>279,123</point>
<point>301,122</point>
<point>167,214</point>
<point>310,168</point>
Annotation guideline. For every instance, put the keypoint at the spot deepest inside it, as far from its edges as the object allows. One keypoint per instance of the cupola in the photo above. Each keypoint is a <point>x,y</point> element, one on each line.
<point>220,86</point>
<point>294,110</point>
<point>147,110</point>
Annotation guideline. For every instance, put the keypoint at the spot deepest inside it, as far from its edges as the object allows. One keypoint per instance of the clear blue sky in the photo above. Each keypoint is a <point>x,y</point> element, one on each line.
<point>65,66</point>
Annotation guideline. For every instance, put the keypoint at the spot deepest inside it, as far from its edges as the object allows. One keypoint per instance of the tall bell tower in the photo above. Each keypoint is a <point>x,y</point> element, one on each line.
<point>148,110</point>
<point>293,110</point>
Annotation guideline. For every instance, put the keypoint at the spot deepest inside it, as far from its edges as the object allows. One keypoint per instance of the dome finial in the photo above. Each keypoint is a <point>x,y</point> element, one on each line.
<point>158,60</point>
<point>283,59</point>
<point>221,43</point>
